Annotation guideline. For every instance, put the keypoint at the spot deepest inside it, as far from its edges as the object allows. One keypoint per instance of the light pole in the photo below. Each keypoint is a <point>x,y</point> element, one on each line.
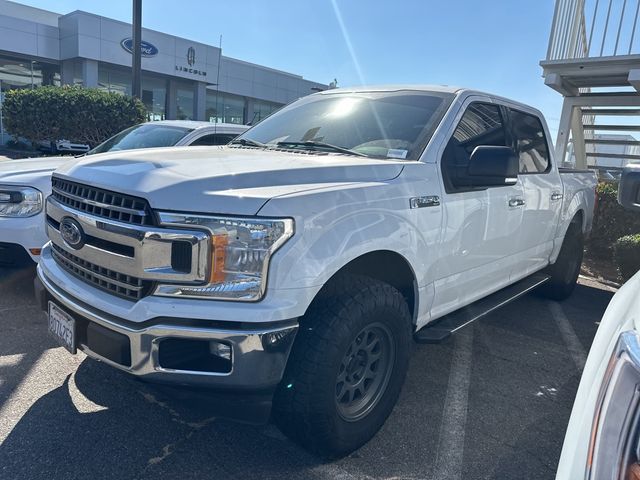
<point>136,66</point>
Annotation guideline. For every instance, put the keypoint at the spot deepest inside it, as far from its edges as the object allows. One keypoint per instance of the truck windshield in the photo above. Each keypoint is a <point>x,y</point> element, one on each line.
<point>144,135</point>
<point>374,124</point>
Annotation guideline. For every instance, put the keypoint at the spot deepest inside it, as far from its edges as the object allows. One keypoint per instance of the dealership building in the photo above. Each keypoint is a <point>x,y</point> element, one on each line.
<point>181,79</point>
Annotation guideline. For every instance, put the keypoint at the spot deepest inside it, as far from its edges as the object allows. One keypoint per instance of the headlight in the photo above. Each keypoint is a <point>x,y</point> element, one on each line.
<point>18,201</point>
<point>240,253</point>
<point>614,448</point>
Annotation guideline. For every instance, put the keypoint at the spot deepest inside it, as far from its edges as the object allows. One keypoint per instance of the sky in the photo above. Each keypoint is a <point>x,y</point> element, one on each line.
<point>493,45</point>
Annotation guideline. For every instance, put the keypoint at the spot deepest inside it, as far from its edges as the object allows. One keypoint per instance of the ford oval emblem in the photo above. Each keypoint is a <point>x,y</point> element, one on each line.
<point>71,232</point>
<point>146,49</point>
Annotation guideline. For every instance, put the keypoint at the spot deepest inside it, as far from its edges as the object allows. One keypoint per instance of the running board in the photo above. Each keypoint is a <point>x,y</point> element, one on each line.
<point>441,329</point>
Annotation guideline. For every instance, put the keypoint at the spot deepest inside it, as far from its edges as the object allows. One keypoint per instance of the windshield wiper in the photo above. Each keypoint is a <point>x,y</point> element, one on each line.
<point>321,145</point>
<point>247,142</point>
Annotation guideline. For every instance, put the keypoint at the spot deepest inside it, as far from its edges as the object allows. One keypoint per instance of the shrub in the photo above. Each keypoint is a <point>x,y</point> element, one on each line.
<point>610,221</point>
<point>627,255</point>
<point>82,115</point>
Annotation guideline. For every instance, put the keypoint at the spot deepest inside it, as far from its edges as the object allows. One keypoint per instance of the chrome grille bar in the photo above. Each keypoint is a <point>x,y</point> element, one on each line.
<point>152,246</point>
<point>124,286</point>
<point>102,203</point>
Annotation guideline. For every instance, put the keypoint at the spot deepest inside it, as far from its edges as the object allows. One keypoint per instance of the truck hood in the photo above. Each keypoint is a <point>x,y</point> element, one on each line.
<point>222,180</point>
<point>35,172</point>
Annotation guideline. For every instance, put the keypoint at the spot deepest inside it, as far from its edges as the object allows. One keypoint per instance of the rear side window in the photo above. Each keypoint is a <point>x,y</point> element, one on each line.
<point>214,139</point>
<point>481,124</point>
<point>530,142</point>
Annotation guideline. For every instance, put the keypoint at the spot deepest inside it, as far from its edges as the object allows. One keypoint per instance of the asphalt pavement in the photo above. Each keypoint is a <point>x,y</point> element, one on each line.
<point>493,402</point>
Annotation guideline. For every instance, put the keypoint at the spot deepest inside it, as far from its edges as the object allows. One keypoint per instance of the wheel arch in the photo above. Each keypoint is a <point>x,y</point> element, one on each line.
<point>384,265</point>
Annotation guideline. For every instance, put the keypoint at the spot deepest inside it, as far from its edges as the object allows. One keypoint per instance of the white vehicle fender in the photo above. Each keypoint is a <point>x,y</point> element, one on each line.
<point>576,202</point>
<point>333,229</point>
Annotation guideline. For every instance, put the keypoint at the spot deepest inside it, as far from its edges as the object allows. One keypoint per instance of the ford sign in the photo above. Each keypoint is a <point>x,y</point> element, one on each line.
<point>146,49</point>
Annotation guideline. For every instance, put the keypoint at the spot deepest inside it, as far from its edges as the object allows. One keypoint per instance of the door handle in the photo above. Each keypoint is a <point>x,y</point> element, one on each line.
<point>556,196</point>
<point>516,202</point>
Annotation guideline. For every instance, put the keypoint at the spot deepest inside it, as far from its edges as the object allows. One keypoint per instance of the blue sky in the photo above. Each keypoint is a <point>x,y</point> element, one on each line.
<point>494,45</point>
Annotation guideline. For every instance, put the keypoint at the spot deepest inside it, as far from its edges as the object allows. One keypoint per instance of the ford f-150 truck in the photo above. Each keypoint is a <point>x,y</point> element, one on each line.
<point>294,266</point>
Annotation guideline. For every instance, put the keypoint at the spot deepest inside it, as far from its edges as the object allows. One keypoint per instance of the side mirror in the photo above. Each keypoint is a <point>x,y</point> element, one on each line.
<point>629,188</point>
<point>493,166</point>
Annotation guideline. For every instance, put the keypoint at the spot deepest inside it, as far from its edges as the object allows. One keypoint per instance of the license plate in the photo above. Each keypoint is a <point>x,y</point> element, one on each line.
<point>63,327</point>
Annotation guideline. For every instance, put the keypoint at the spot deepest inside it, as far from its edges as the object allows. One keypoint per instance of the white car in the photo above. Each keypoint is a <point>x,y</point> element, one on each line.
<point>62,146</point>
<point>292,267</point>
<point>603,437</point>
<point>24,184</point>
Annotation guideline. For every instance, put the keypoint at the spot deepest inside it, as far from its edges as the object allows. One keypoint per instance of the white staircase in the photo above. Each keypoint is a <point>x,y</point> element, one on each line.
<point>593,60</point>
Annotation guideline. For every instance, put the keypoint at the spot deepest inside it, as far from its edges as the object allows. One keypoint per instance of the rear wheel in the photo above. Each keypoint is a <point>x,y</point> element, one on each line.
<point>564,272</point>
<point>346,368</point>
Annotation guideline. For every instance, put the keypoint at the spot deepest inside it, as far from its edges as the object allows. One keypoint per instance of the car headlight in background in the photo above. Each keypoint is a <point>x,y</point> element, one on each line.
<point>614,448</point>
<point>240,253</point>
<point>18,201</point>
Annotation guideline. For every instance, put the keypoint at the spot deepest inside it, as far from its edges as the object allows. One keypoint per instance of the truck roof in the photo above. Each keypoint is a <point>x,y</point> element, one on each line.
<point>455,90</point>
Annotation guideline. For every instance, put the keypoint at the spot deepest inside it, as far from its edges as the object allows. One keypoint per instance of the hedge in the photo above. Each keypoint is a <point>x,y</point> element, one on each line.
<point>82,115</point>
<point>627,255</point>
<point>610,221</point>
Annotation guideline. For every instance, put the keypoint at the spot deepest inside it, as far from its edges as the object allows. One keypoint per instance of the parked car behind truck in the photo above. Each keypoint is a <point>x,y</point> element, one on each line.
<point>294,265</point>
<point>24,184</point>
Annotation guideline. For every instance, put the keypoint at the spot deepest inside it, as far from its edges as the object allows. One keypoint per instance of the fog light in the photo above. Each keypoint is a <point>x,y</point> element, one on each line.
<point>221,350</point>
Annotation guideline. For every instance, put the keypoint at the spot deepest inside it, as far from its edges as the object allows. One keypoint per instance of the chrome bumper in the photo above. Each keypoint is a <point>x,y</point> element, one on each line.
<point>258,355</point>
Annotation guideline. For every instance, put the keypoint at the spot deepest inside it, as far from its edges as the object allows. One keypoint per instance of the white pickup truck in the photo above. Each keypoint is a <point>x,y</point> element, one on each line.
<point>292,268</point>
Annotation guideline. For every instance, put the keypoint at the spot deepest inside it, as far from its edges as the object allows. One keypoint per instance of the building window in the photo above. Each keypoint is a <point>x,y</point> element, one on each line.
<point>154,97</point>
<point>184,103</point>
<point>114,80</point>
<point>262,110</point>
<point>228,108</point>
<point>18,74</point>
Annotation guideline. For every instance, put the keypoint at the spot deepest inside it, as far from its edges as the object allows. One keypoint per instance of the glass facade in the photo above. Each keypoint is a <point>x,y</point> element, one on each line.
<point>262,110</point>
<point>18,73</point>
<point>227,109</point>
<point>154,89</point>
<point>114,80</point>
<point>154,97</point>
<point>184,102</point>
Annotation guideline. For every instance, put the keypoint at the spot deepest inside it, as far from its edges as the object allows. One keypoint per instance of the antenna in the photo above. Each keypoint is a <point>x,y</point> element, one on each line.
<point>215,125</point>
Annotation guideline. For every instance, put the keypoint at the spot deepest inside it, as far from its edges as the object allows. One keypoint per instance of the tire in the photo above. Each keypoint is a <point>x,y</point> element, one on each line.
<point>564,273</point>
<point>346,367</point>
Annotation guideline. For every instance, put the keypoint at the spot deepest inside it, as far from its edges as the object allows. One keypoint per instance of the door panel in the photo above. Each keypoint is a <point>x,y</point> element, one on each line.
<point>542,193</point>
<point>478,245</point>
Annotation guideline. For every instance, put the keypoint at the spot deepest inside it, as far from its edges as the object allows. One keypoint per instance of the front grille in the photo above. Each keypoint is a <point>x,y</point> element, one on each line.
<point>102,203</point>
<point>124,286</point>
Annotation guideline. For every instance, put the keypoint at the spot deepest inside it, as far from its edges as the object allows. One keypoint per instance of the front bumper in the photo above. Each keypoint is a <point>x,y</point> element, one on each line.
<point>259,352</point>
<point>28,233</point>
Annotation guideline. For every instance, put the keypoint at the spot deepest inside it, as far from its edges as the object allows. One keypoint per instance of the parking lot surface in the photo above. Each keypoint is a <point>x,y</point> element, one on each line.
<point>493,402</point>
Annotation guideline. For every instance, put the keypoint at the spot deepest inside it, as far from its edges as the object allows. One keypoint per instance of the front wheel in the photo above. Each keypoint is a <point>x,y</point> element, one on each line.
<point>564,273</point>
<point>346,368</point>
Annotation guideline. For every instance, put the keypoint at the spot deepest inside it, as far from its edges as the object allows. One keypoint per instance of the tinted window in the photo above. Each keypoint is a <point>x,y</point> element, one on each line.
<point>377,124</point>
<point>145,135</point>
<point>214,139</point>
<point>530,141</point>
<point>481,124</point>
